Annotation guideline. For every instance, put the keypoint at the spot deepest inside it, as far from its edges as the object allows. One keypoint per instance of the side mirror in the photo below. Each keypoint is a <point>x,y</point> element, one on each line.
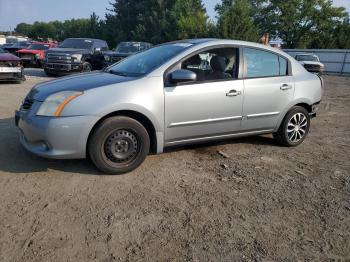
<point>182,76</point>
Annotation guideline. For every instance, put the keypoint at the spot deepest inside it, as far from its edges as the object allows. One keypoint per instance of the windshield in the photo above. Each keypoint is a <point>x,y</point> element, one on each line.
<point>145,62</point>
<point>2,51</point>
<point>76,43</point>
<point>307,58</point>
<point>38,47</point>
<point>128,47</point>
<point>20,44</point>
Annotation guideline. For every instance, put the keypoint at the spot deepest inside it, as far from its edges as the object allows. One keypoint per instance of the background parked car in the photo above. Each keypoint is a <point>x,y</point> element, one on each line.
<point>311,62</point>
<point>10,67</point>
<point>75,55</point>
<point>17,46</point>
<point>35,53</point>
<point>123,50</point>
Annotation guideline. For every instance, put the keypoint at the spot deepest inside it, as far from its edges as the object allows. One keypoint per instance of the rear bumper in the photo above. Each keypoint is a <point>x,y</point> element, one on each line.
<point>314,109</point>
<point>57,138</point>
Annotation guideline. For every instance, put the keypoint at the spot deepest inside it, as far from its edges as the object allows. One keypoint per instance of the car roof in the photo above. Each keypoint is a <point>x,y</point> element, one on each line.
<point>215,41</point>
<point>42,43</point>
<point>82,38</point>
<point>305,54</point>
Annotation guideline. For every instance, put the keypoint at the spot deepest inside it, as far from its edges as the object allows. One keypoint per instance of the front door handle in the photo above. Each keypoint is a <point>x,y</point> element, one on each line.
<point>233,93</point>
<point>285,87</point>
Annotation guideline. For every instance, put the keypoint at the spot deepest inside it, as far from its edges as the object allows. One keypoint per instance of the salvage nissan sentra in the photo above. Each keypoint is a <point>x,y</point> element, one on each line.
<point>172,94</point>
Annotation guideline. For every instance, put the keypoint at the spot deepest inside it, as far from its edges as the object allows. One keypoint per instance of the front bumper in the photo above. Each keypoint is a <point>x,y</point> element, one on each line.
<point>52,137</point>
<point>63,68</point>
<point>11,74</point>
<point>32,61</point>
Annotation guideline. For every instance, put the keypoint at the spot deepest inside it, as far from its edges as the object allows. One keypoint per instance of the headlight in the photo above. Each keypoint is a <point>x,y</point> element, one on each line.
<point>107,58</point>
<point>54,104</point>
<point>77,57</point>
<point>37,56</point>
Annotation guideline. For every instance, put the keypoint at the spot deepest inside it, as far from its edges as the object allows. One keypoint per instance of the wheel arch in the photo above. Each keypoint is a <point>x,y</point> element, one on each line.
<point>144,120</point>
<point>305,104</point>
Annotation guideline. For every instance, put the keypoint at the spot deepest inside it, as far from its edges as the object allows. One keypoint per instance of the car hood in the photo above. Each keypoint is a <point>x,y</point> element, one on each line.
<point>310,63</point>
<point>27,51</point>
<point>68,51</point>
<point>79,82</point>
<point>8,57</point>
<point>113,53</point>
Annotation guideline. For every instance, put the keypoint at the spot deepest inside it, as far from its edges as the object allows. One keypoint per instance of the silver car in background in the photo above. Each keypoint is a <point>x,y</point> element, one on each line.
<point>311,62</point>
<point>176,93</point>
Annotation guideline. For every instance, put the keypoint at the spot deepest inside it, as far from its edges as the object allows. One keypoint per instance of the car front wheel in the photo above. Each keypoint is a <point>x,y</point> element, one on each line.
<point>87,67</point>
<point>118,145</point>
<point>294,128</point>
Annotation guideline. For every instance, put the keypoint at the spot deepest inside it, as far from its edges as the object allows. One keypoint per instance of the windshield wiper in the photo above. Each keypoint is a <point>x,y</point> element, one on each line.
<point>118,73</point>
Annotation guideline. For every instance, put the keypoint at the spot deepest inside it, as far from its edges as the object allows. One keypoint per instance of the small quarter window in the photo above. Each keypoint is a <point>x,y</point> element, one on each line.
<point>283,66</point>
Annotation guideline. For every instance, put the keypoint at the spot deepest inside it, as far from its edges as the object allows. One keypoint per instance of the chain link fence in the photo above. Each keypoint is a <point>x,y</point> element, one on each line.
<point>336,61</point>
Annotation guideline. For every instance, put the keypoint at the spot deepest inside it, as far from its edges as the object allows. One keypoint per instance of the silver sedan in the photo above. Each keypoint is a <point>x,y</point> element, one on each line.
<point>173,94</point>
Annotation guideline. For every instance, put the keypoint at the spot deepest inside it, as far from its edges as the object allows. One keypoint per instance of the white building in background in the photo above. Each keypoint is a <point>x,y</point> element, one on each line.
<point>11,39</point>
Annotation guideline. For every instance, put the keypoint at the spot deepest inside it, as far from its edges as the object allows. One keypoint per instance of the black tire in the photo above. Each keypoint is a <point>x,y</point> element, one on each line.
<point>293,131</point>
<point>118,145</point>
<point>49,74</point>
<point>87,67</point>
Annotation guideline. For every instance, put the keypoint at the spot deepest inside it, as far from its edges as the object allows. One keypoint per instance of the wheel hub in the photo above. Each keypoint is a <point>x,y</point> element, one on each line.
<point>297,127</point>
<point>121,146</point>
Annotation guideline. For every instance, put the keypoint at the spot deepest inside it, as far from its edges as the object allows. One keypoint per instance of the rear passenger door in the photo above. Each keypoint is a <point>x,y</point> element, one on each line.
<point>268,88</point>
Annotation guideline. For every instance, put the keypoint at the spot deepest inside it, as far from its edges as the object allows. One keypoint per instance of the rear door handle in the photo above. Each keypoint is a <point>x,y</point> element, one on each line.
<point>285,87</point>
<point>233,93</point>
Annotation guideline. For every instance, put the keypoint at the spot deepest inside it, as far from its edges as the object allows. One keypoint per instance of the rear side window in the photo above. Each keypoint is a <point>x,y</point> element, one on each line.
<point>259,63</point>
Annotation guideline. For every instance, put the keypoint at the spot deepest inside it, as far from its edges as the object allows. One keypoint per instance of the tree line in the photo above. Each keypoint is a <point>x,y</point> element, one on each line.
<point>299,23</point>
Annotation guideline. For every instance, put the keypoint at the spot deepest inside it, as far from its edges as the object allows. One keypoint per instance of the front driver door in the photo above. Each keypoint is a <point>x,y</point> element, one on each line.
<point>204,108</point>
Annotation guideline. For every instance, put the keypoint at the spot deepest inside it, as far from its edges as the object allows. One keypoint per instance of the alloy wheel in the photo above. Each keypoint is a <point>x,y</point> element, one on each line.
<point>297,127</point>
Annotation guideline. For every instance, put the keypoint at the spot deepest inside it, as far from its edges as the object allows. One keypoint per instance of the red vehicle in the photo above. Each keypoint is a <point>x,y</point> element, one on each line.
<point>35,53</point>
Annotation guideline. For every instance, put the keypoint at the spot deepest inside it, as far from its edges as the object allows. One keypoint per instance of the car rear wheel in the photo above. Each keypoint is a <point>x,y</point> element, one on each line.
<point>294,128</point>
<point>118,145</point>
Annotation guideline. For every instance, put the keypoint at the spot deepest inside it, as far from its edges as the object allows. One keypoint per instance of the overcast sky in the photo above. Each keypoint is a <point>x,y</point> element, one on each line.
<point>13,12</point>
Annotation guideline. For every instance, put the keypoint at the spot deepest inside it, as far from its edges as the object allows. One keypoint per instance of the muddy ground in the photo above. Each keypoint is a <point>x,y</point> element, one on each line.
<point>261,202</point>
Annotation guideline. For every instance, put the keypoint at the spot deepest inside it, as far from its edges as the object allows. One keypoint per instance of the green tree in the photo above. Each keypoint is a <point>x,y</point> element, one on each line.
<point>24,29</point>
<point>299,22</point>
<point>235,20</point>
<point>188,19</point>
<point>342,33</point>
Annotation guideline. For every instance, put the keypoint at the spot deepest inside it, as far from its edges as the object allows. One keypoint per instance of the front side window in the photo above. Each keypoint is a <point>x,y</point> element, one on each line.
<point>214,64</point>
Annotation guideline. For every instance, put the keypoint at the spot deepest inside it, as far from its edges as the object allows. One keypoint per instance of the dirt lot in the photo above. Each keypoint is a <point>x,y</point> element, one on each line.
<point>261,203</point>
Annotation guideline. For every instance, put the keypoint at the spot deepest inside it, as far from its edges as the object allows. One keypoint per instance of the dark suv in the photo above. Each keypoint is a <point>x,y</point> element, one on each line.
<point>75,55</point>
<point>123,50</point>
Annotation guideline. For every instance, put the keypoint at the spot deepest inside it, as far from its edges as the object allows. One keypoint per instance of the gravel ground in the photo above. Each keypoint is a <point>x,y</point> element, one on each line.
<point>246,199</point>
